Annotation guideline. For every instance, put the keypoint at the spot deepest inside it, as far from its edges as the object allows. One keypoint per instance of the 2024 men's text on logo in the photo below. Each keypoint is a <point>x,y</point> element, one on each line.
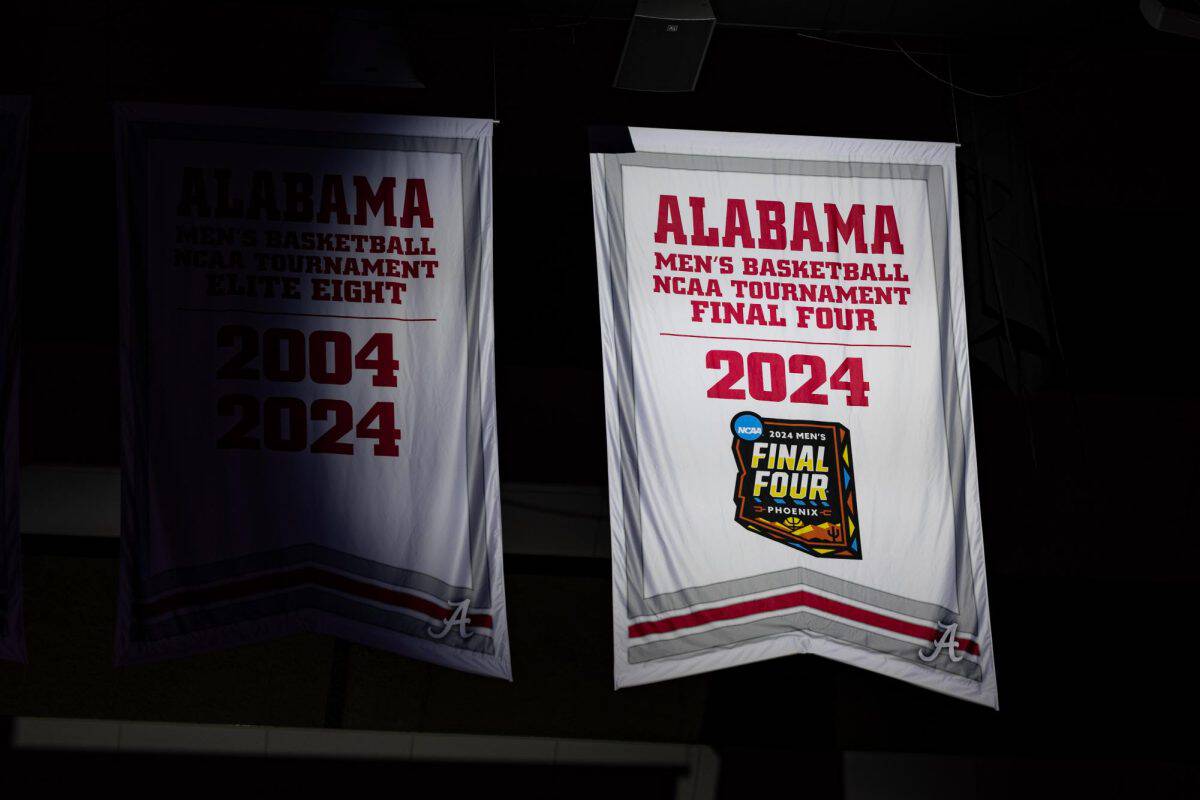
<point>795,484</point>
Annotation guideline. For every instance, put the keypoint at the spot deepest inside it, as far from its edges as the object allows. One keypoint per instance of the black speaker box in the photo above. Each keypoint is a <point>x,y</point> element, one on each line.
<point>666,45</point>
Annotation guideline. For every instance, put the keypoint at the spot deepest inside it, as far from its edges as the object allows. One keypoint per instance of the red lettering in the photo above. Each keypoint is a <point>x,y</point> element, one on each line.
<point>669,220</point>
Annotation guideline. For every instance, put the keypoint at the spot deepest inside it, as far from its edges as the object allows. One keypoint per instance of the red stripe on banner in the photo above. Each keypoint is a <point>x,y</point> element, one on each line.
<point>291,579</point>
<point>800,599</point>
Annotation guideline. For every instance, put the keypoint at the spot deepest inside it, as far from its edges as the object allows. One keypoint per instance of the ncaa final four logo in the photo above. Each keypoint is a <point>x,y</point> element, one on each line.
<point>795,484</point>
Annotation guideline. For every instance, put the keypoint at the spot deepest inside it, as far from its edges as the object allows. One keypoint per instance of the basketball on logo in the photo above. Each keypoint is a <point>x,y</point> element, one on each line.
<point>795,484</point>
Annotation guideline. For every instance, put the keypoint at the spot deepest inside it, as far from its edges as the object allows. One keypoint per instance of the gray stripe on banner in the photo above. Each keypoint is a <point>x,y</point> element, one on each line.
<point>249,566</point>
<point>802,578</point>
<point>298,601</point>
<point>799,622</point>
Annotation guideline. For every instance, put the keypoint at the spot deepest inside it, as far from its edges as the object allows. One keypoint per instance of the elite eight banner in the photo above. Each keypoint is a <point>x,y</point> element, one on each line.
<point>309,433</point>
<point>788,403</point>
<point>14,115</point>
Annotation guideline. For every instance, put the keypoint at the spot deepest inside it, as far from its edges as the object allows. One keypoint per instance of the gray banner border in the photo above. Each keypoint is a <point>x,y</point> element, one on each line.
<point>625,390</point>
<point>138,134</point>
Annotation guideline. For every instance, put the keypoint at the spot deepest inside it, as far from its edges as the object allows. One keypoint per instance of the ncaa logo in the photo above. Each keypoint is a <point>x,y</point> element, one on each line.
<point>747,426</point>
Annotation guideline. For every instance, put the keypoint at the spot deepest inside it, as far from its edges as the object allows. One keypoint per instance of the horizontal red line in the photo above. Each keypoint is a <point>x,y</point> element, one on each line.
<point>798,599</point>
<point>302,314</point>
<point>780,341</point>
<point>294,579</point>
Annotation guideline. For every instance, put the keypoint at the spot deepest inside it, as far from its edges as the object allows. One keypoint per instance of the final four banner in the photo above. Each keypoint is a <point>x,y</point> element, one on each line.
<point>790,439</point>
<point>309,434</point>
<point>13,142</point>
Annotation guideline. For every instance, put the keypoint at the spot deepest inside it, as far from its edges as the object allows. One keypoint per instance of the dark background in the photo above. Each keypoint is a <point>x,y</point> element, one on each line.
<point>1079,220</point>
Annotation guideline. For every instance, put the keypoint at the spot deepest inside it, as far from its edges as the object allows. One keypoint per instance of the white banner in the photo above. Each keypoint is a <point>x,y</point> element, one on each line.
<point>788,402</point>
<point>14,122</point>
<point>307,367</point>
